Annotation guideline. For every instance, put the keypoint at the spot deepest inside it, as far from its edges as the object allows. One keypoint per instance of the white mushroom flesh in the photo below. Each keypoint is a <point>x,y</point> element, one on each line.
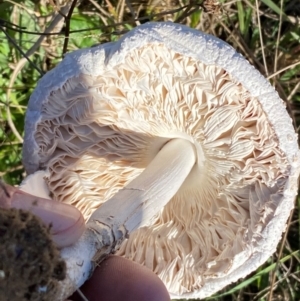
<point>98,133</point>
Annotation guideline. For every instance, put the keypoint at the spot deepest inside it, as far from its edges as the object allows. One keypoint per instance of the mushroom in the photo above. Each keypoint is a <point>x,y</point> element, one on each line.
<point>178,139</point>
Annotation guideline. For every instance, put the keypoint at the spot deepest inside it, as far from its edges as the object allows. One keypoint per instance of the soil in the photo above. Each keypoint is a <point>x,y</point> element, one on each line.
<point>30,264</point>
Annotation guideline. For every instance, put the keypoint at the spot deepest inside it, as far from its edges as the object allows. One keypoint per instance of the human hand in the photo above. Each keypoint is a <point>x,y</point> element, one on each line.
<point>65,221</point>
<point>115,279</point>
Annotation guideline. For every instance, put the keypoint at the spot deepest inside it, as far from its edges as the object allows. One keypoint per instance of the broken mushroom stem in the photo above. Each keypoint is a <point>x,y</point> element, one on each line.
<point>132,207</point>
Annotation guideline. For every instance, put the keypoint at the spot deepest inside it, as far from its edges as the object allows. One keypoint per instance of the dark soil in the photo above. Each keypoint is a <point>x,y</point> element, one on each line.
<point>30,264</point>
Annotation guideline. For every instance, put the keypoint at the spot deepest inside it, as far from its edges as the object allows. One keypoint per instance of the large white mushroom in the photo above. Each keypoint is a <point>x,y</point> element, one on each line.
<point>187,141</point>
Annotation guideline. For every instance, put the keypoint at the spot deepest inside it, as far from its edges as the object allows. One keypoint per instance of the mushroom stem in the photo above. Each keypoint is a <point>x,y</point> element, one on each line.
<point>136,204</point>
<point>132,207</point>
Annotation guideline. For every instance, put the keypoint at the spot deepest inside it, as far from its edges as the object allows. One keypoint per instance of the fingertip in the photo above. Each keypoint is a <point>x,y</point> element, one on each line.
<point>65,221</point>
<point>118,279</point>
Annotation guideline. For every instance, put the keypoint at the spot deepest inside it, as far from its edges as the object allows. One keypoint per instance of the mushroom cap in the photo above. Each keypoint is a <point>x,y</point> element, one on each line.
<point>96,121</point>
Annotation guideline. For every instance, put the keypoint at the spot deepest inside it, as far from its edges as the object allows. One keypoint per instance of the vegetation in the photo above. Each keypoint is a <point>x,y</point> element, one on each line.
<point>35,34</point>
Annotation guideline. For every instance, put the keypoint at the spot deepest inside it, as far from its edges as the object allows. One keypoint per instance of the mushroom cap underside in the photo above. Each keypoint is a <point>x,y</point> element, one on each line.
<point>97,120</point>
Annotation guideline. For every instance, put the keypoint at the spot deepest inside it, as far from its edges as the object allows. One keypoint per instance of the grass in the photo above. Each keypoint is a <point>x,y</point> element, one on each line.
<point>266,32</point>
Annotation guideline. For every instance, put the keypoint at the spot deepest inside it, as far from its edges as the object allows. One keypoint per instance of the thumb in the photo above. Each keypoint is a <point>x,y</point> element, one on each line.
<point>66,222</point>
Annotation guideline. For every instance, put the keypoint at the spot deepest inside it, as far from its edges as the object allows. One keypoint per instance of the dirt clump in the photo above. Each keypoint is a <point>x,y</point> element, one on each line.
<point>30,263</point>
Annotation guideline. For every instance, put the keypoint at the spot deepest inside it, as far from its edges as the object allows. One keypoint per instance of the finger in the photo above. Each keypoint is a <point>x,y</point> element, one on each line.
<point>66,222</point>
<point>119,279</point>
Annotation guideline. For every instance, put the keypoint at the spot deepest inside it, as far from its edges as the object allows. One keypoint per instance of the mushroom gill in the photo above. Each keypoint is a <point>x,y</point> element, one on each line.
<point>97,133</point>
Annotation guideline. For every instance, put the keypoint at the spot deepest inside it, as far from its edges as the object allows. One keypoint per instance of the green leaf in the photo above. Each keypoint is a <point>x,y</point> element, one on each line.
<point>290,73</point>
<point>241,16</point>
<point>295,35</point>
<point>274,7</point>
<point>195,18</point>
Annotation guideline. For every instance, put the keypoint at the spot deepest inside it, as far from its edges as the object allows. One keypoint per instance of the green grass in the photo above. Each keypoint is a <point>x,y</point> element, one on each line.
<point>271,45</point>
